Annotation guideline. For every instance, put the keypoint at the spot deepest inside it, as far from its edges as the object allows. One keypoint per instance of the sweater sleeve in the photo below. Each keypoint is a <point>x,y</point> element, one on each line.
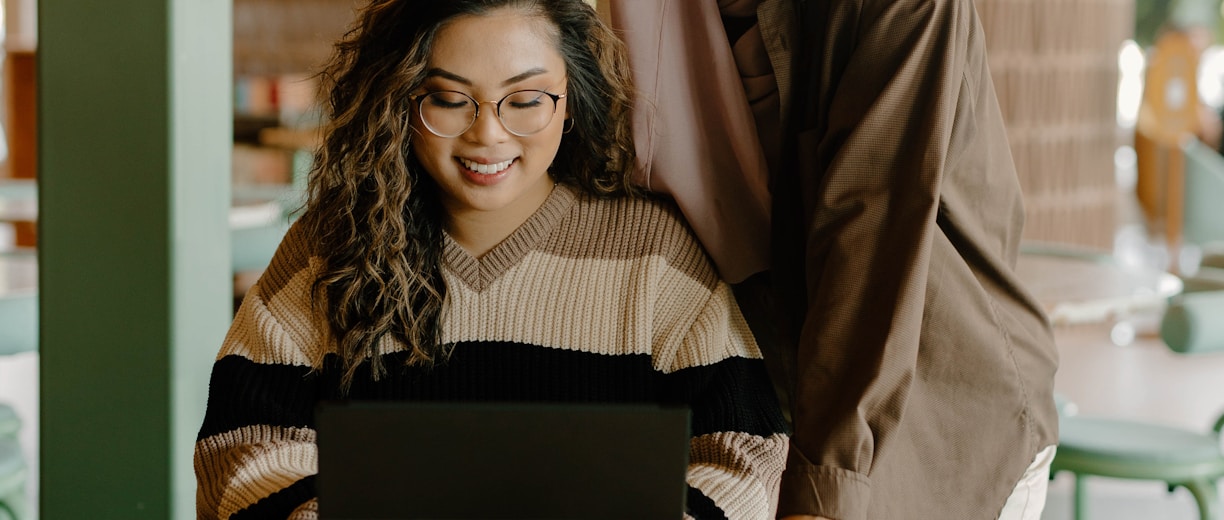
<point>739,444</point>
<point>255,454</point>
<point>738,448</point>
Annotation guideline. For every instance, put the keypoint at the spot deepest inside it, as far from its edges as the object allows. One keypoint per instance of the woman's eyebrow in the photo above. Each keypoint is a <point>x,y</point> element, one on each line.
<point>438,72</point>
<point>533,72</point>
<point>445,74</point>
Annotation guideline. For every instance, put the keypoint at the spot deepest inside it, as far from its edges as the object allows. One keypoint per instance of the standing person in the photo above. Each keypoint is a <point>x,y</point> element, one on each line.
<point>846,165</point>
<point>468,238</point>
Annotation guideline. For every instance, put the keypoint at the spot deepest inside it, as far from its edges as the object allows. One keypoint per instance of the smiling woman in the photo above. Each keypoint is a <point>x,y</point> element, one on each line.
<point>492,170</point>
<point>471,236</point>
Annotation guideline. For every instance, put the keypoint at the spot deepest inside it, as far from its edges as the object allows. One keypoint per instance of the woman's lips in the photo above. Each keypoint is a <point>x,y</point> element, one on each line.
<point>485,174</point>
<point>485,167</point>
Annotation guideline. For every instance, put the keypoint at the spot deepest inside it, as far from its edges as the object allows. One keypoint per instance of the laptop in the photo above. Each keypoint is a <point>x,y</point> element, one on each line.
<point>411,460</point>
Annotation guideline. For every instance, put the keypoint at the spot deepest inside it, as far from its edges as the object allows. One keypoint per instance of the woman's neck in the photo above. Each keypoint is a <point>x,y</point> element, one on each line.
<point>478,232</point>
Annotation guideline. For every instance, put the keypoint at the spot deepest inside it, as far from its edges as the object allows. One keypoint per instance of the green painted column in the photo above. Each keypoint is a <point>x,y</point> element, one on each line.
<point>135,138</point>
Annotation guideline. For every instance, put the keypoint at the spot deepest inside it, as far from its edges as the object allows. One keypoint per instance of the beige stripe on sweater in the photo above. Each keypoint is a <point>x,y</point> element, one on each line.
<point>722,465</point>
<point>612,307</point>
<point>250,464</point>
<point>600,276</point>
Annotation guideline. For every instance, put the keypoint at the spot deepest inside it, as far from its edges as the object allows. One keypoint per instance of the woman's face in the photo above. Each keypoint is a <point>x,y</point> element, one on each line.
<point>487,169</point>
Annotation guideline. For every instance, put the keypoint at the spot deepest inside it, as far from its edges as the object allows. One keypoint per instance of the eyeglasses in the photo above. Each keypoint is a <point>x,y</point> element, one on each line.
<point>447,113</point>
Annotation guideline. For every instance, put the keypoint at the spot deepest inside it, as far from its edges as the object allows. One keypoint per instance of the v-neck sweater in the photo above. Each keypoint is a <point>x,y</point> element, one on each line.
<point>589,300</point>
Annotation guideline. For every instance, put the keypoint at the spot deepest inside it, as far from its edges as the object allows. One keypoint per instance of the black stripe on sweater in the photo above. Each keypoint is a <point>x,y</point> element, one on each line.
<point>702,507</point>
<point>242,392</point>
<point>503,371</point>
<point>731,395</point>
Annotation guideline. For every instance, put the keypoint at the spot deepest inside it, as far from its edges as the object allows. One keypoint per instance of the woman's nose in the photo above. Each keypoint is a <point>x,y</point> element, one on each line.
<point>488,127</point>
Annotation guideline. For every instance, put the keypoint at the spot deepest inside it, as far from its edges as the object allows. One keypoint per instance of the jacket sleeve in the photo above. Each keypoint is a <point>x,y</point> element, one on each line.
<point>882,95</point>
<point>255,454</point>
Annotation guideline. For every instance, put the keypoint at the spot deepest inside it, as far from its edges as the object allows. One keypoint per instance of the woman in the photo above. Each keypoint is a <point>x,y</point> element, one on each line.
<point>469,236</point>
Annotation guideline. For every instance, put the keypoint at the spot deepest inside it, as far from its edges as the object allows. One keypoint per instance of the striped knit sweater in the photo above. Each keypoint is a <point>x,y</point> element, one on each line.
<point>589,300</point>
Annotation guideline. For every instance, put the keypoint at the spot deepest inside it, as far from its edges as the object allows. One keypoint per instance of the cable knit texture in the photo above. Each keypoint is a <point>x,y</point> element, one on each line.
<point>588,301</point>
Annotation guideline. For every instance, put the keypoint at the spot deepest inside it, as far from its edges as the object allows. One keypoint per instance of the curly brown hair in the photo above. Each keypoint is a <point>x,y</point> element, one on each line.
<point>373,209</point>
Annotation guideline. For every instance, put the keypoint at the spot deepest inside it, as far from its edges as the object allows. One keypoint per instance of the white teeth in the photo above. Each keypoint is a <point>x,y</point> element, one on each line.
<point>486,169</point>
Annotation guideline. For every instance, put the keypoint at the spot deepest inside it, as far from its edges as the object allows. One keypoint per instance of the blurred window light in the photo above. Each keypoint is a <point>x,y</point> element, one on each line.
<point>1131,63</point>
<point>1126,171</point>
<point>1131,60</point>
<point>1211,76</point>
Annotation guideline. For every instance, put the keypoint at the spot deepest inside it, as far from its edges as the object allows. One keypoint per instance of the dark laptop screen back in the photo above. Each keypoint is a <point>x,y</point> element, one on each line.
<point>393,460</point>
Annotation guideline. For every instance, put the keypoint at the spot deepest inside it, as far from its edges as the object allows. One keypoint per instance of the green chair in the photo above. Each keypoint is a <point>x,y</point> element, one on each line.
<point>12,467</point>
<point>1116,448</point>
<point>18,322</point>
<point>1194,320</point>
<point>18,333</point>
<point>258,221</point>
<point>1204,191</point>
<point>9,422</point>
<point>12,481</point>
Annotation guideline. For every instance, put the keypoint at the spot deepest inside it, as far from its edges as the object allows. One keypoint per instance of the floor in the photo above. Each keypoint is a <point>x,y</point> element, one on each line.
<point>1143,381</point>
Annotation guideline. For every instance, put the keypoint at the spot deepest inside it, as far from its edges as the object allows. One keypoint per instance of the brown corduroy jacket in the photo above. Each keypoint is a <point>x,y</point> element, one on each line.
<point>879,196</point>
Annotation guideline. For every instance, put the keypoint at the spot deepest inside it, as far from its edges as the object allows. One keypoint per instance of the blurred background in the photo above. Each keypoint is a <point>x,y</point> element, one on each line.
<point>1114,114</point>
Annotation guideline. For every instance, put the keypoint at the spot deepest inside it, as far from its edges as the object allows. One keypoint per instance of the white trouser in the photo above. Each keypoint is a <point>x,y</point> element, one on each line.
<point>1028,498</point>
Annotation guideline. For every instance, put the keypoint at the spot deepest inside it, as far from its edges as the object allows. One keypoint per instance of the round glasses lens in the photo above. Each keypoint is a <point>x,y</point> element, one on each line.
<point>447,114</point>
<point>527,111</point>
